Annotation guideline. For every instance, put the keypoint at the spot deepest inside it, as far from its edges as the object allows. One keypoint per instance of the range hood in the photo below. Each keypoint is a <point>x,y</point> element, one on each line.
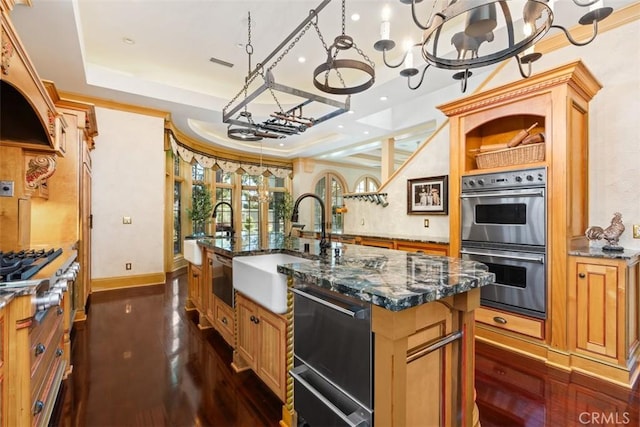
<point>20,122</point>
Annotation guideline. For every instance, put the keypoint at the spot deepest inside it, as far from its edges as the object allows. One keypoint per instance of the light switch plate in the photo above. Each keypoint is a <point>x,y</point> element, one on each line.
<point>636,231</point>
<point>6,188</point>
<point>426,223</point>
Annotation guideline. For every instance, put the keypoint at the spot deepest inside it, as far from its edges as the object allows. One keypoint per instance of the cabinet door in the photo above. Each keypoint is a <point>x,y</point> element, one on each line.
<point>596,307</point>
<point>247,331</point>
<point>207,288</point>
<point>194,285</point>
<point>86,219</point>
<point>271,367</point>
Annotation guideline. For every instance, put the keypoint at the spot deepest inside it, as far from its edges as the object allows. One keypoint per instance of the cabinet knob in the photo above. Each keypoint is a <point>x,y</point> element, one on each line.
<point>59,352</point>
<point>38,407</point>
<point>40,348</point>
<point>224,320</point>
<point>582,275</point>
<point>500,320</point>
<point>252,318</point>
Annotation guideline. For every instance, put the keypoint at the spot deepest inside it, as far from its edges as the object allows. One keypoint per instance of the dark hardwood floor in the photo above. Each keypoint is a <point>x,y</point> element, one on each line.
<point>140,360</point>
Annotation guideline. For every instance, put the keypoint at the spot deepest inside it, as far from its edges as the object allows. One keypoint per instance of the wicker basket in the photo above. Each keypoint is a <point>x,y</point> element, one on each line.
<point>511,156</point>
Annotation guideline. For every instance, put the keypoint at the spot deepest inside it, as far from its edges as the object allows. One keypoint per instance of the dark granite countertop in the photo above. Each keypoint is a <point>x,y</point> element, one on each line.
<point>630,255</point>
<point>294,245</point>
<point>389,278</point>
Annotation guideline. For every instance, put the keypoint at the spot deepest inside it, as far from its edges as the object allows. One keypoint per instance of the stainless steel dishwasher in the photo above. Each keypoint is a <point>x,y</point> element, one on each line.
<point>333,363</point>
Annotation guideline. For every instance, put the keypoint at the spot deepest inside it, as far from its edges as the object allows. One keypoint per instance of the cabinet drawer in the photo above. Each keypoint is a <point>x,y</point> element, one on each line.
<point>43,368</point>
<point>224,320</point>
<point>43,402</point>
<point>511,322</point>
<point>44,337</point>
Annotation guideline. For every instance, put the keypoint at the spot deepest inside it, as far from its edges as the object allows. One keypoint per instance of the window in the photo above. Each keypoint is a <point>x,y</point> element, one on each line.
<point>254,223</point>
<point>177,207</point>
<point>250,212</point>
<point>177,219</point>
<point>368,184</point>
<point>279,207</point>
<point>330,188</point>
<point>198,187</point>
<point>224,193</point>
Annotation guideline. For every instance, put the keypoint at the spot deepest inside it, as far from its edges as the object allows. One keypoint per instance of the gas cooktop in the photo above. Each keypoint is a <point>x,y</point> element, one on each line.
<point>18,267</point>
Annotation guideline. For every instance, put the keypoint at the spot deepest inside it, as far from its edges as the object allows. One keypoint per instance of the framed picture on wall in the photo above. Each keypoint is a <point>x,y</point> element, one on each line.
<point>428,195</point>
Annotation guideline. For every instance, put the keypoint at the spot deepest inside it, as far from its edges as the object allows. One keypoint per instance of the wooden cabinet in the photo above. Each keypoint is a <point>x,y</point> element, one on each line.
<point>66,216</point>
<point>377,242</point>
<point>603,313</point>
<point>194,279</point>
<point>28,114</point>
<point>512,322</point>
<point>261,344</point>
<point>438,249</point>
<point>35,364</point>
<point>403,393</point>
<point>213,312</point>
<point>558,101</point>
<point>4,342</point>
<point>223,320</point>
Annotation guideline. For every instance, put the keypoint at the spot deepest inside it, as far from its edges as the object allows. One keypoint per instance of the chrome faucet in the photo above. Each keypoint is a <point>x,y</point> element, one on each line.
<point>215,213</point>
<point>323,235</point>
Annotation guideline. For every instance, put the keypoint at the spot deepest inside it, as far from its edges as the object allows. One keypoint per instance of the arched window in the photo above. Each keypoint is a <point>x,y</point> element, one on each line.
<point>367,184</point>
<point>330,187</point>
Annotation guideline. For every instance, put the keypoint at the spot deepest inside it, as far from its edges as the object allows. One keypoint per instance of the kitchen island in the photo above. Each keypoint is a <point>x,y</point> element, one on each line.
<point>417,302</point>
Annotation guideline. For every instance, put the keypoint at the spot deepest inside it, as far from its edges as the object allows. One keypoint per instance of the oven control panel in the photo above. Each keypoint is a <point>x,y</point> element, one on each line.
<point>511,179</point>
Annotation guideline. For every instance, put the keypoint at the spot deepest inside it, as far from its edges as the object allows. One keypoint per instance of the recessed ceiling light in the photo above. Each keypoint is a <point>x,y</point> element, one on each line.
<point>350,111</point>
<point>355,17</point>
<point>128,40</point>
<point>302,59</point>
<point>340,126</point>
<point>366,132</point>
<point>383,98</point>
<point>281,144</point>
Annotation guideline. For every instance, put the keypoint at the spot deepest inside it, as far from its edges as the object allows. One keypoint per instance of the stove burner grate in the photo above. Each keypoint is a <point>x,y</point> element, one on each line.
<point>23,265</point>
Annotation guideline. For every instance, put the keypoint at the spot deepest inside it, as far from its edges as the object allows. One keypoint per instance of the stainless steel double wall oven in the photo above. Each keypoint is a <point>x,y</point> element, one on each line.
<point>504,226</point>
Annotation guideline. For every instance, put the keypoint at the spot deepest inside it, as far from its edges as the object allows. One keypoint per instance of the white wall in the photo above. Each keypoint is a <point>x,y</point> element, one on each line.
<point>307,172</point>
<point>128,180</point>
<point>614,150</point>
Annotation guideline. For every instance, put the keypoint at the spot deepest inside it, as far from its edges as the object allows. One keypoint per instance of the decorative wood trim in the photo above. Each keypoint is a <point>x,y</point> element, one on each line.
<point>38,168</point>
<point>109,283</point>
<point>574,72</point>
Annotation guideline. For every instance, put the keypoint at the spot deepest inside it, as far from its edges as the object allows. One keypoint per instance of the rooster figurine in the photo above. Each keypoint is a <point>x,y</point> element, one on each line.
<point>611,234</point>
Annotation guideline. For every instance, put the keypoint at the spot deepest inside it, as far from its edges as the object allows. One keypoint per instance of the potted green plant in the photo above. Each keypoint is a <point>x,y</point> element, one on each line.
<point>201,209</point>
<point>283,208</point>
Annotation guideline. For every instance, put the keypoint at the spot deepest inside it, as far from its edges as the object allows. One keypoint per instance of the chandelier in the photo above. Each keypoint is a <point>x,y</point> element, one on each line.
<point>262,194</point>
<point>461,35</point>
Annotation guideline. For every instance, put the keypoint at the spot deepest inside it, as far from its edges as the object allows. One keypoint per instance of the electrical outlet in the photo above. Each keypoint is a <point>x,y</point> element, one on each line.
<point>426,223</point>
<point>126,220</point>
<point>127,266</point>
<point>636,231</point>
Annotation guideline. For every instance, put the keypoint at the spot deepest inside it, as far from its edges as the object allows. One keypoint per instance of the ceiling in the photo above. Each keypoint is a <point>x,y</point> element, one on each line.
<point>156,53</point>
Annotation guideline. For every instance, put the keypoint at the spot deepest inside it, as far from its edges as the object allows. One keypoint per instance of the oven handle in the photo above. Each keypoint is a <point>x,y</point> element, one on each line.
<point>538,193</point>
<point>322,398</point>
<point>539,260</point>
<point>355,314</point>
